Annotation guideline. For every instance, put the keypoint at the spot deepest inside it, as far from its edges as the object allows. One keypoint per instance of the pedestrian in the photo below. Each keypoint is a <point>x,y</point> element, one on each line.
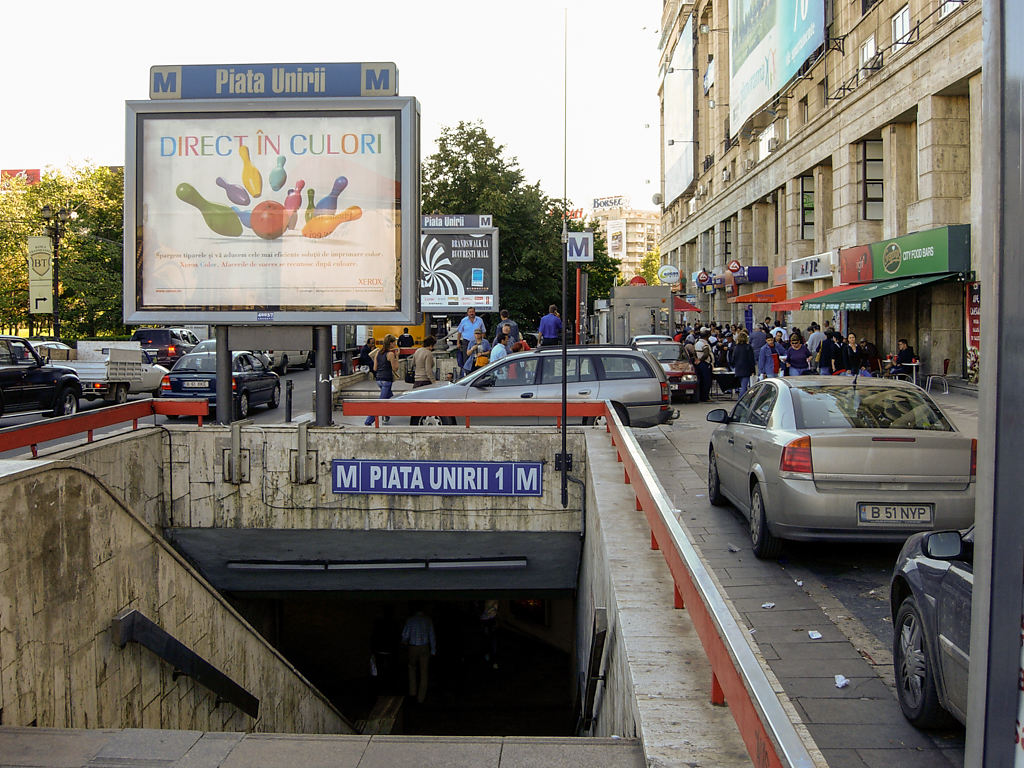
<point>827,354</point>
<point>480,349</point>
<point>385,365</point>
<point>768,359</point>
<point>814,341</point>
<point>513,332</point>
<point>421,643</point>
<point>405,339</point>
<point>757,339</point>
<point>506,330</point>
<point>364,360</point>
<point>489,632</point>
<point>500,348</point>
<point>550,327</point>
<point>423,364</point>
<point>852,357</point>
<point>798,358</point>
<point>467,326</point>
<point>743,361</point>
<point>704,355</point>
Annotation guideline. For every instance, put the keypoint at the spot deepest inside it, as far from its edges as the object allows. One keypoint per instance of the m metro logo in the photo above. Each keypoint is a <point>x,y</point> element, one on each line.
<point>580,246</point>
<point>165,82</point>
<point>379,79</point>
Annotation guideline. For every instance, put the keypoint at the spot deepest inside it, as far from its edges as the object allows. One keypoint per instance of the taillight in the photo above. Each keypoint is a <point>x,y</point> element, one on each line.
<point>664,393</point>
<point>974,459</point>
<point>796,457</point>
<point>170,350</point>
<point>165,383</point>
<point>234,384</point>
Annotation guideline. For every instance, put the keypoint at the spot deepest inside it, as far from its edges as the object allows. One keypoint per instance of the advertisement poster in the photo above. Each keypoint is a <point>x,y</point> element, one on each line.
<point>273,211</point>
<point>769,40</point>
<point>617,239</point>
<point>679,121</point>
<point>457,271</point>
<point>931,252</point>
<point>972,329</point>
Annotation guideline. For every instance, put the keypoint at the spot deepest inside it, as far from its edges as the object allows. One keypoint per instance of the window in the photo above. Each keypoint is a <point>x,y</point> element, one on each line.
<point>946,7</point>
<point>621,367</point>
<point>805,111</point>
<point>873,179</point>
<point>516,373</point>
<point>579,368</point>
<point>867,53</point>
<point>806,207</point>
<point>901,28</point>
<point>727,239</point>
<point>865,407</point>
<point>762,409</point>
<point>739,413</point>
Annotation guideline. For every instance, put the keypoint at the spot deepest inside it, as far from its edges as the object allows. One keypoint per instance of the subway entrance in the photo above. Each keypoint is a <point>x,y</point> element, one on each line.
<point>502,665</point>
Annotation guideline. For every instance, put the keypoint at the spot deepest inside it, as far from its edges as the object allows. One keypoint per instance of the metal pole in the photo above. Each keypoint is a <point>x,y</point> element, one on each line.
<point>324,406</point>
<point>55,236</point>
<point>289,390</point>
<point>225,397</point>
<point>565,360</point>
<point>578,270</point>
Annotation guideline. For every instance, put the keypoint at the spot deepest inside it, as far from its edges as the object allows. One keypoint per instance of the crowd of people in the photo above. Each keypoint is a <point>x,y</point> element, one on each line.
<point>771,349</point>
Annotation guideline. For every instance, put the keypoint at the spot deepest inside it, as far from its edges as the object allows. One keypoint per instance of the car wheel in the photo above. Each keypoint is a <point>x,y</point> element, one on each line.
<point>275,397</point>
<point>308,362</point>
<point>431,421</point>
<point>714,485</point>
<point>765,545</point>
<point>283,367</point>
<point>914,668</point>
<point>66,403</point>
<point>120,394</point>
<point>242,406</point>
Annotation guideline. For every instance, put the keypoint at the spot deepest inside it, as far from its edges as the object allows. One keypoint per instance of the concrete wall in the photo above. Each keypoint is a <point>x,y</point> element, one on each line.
<point>72,557</point>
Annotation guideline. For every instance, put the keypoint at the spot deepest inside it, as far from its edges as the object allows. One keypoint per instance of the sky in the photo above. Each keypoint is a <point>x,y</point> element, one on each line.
<point>70,66</point>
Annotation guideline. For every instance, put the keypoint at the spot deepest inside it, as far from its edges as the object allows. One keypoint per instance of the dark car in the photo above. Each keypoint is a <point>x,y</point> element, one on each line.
<point>252,383</point>
<point>682,376</point>
<point>28,383</point>
<point>930,598</point>
<point>168,344</point>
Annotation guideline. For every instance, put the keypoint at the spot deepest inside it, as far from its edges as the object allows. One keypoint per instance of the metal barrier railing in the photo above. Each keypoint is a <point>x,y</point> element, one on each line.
<point>737,677</point>
<point>43,431</point>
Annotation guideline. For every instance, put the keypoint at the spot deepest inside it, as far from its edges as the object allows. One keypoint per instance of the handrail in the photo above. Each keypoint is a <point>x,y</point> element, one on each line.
<point>737,677</point>
<point>38,432</point>
<point>468,410</point>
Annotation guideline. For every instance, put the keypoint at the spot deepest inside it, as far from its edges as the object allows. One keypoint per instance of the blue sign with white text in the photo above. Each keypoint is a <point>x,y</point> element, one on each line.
<point>273,81</point>
<point>442,478</point>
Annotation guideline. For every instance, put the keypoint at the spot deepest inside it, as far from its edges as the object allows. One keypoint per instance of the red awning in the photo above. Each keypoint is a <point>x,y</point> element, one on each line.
<point>767,296</point>
<point>682,305</point>
<point>793,304</point>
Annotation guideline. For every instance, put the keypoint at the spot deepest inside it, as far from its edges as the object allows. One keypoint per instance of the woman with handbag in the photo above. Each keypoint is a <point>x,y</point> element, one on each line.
<point>385,365</point>
<point>477,354</point>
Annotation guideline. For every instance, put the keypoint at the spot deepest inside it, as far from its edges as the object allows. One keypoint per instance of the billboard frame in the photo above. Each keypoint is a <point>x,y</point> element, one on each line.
<point>456,308</point>
<point>407,112</point>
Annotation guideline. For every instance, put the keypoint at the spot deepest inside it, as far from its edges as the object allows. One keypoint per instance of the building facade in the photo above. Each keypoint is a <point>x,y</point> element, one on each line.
<point>629,233</point>
<point>855,178</point>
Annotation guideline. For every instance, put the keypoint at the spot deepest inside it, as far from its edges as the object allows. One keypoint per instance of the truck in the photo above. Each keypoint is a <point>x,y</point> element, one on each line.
<point>109,370</point>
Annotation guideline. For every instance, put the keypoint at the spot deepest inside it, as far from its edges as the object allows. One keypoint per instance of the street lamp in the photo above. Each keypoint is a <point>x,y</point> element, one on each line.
<point>56,223</point>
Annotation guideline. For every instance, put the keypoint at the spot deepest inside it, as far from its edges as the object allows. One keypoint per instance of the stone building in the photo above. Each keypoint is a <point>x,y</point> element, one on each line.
<point>841,150</point>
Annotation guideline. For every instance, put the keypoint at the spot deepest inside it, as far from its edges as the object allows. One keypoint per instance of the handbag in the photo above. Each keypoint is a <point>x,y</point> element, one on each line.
<point>481,361</point>
<point>410,375</point>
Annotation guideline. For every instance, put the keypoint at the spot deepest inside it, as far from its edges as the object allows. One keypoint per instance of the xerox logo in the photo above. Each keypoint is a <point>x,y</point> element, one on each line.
<point>371,281</point>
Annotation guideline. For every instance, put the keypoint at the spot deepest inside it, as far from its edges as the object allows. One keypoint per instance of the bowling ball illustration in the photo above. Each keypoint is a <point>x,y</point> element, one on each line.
<point>269,220</point>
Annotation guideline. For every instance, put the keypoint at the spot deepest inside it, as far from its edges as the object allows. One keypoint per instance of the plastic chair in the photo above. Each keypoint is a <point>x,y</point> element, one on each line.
<point>940,377</point>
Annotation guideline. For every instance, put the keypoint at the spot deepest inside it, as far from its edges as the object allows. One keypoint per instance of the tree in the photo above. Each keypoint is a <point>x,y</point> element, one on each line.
<point>649,266</point>
<point>470,174</point>
<point>90,258</point>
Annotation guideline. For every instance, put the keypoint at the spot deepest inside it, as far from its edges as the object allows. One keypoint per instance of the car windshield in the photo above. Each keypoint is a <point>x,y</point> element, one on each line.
<point>207,345</point>
<point>202,363</point>
<point>149,334</point>
<point>865,406</point>
<point>666,353</point>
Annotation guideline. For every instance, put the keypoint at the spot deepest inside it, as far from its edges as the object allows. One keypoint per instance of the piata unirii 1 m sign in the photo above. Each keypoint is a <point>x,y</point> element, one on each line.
<point>447,478</point>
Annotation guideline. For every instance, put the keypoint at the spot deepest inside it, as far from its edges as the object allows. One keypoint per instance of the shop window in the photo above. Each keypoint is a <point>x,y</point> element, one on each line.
<point>901,28</point>
<point>873,174</point>
<point>727,239</point>
<point>806,207</point>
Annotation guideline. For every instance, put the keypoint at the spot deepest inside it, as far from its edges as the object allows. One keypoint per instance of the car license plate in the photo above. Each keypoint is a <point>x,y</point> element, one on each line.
<point>895,514</point>
<point>196,385</point>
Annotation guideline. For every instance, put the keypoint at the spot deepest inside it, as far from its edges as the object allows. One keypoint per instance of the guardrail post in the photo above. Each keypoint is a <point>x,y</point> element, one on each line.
<point>717,694</point>
<point>288,387</point>
<point>677,596</point>
<point>654,543</point>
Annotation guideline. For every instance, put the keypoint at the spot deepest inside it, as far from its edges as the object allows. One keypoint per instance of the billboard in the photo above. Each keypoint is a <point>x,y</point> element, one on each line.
<point>617,239</point>
<point>678,107</point>
<point>293,211</point>
<point>458,264</point>
<point>769,40</point>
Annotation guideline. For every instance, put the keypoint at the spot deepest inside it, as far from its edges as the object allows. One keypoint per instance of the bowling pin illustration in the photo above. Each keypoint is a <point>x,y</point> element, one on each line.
<point>329,204</point>
<point>219,218</point>
<point>279,175</point>
<point>243,216</point>
<point>310,207</point>
<point>251,176</point>
<point>293,202</point>
<point>323,225</point>
<point>235,193</point>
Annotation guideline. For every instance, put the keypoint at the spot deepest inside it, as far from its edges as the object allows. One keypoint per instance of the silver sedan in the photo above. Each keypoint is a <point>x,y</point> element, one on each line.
<point>840,458</point>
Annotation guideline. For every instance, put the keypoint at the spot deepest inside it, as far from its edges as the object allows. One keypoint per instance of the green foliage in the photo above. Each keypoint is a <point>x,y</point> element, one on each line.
<point>89,259</point>
<point>649,266</point>
<point>470,174</point>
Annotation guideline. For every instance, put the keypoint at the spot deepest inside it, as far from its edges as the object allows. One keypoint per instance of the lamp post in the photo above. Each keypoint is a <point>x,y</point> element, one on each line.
<point>56,223</point>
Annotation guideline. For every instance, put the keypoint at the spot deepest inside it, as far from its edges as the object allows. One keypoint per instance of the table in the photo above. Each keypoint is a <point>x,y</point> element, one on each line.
<point>726,380</point>
<point>888,365</point>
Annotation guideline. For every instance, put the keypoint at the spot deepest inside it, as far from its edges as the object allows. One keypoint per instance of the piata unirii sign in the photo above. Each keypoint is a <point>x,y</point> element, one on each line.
<point>444,478</point>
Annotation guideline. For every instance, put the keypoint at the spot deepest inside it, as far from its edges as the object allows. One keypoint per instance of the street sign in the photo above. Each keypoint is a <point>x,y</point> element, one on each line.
<point>40,275</point>
<point>581,246</point>
<point>734,266</point>
<point>703,278</point>
<point>669,274</point>
<point>247,81</point>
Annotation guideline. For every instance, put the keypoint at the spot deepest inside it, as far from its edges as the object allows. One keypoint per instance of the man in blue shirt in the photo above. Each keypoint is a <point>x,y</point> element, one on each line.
<point>550,327</point>
<point>418,636</point>
<point>469,325</point>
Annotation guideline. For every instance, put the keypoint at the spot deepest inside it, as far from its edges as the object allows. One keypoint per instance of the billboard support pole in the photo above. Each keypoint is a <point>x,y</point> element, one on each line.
<point>225,399</point>
<point>578,270</point>
<point>322,345</point>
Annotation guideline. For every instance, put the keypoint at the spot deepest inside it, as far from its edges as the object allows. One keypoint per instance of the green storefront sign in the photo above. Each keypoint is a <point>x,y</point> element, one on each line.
<point>932,252</point>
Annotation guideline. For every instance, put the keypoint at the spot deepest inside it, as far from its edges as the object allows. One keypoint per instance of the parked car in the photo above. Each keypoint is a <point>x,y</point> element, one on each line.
<point>632,379</point>
<point>281,359</point>
<point>152,375</point>
<point>210,345</point>
<point>930,597</point>
<point>45,346</point>
<point>682,376</point>
<point>29,384</point>
<point>647,338</point>
<point>840,458</point>
<point>252,383</point>
<point>169,344</point>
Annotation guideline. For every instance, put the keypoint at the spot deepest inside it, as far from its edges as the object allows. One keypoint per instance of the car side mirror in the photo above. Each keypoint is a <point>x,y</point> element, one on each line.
<point>482,382</point>
<point>944,545</point>
<point>719,415</point>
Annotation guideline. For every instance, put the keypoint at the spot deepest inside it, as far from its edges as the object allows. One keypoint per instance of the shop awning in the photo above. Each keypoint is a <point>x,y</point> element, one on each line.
<point>767,296</point>
<point>682,305</point>
<point>793,304</point>
<point>859,297</point>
